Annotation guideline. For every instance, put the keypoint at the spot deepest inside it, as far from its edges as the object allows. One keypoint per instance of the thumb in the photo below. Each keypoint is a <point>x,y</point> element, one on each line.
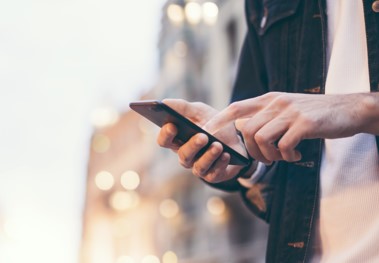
<point>181,106</point>
<point>195,111</point>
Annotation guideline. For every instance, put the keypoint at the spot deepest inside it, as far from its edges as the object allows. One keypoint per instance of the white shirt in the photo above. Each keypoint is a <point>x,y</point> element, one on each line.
<point>348,229</point>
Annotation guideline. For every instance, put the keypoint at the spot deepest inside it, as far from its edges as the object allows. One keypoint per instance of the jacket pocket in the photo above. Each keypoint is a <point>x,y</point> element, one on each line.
<point>265,14</point>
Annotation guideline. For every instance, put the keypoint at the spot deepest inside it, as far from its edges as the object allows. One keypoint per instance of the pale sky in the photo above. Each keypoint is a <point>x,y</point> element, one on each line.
<point>60,60</point>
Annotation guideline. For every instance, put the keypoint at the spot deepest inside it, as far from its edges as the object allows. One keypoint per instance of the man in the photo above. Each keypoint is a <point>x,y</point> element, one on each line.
<point>308,115</point>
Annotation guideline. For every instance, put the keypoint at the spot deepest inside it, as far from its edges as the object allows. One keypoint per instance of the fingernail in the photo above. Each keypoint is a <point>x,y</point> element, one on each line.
<point>199,141</point>
<point>224,157</point>
<point>214,150</point>
<point>171,130</point>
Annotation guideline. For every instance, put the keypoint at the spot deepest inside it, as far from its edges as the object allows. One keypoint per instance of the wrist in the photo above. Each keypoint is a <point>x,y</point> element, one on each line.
<point>370,113</point>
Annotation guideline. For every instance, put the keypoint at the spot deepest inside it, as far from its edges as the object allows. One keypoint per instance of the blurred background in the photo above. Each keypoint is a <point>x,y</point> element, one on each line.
<point>81,176</point>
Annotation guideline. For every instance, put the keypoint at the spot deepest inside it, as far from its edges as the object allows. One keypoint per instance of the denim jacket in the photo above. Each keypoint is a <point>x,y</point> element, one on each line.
<point>285,50</point>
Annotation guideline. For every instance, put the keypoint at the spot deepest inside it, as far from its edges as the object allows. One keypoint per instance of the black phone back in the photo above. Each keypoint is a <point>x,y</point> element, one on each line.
<point>160,114</point>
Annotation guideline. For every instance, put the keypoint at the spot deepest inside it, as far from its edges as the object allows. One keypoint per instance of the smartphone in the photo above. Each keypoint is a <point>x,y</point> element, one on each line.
<point>160,114</point>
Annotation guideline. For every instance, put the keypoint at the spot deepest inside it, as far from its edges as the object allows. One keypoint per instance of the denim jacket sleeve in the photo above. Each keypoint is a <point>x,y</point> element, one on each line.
<point>262,68</point>
<point>257,198</point>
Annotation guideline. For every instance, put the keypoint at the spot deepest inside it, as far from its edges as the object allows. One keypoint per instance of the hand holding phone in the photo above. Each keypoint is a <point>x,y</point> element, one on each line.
<point>160,114</point>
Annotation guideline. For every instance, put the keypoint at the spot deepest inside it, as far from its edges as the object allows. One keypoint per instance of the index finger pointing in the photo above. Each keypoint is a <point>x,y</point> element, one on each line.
<point>236,110</point>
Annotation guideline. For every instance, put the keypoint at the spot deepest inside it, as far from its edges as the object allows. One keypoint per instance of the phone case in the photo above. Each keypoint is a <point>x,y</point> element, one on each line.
<point>160,114</point>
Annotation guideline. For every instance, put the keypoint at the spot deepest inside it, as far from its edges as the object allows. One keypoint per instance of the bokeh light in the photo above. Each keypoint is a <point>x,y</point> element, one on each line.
<point>122,200</point>
<point>169,257</point>
<point>104,180</point>
<point>169,208</point>
<point>104,116</point>
<point>150,259</point>
<point>175,13</point>
<point>210,13</point>
<point>130,180</point>
<point>216,206</point>
<point>193,12</point>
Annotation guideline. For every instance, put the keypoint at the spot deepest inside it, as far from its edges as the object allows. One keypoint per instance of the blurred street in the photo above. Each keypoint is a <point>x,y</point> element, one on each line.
<point>82,177</point>
<point>61,63</point>
<point>141,206</point>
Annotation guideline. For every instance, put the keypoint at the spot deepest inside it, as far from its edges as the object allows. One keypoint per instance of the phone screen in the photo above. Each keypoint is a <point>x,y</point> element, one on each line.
<point>160,114</point>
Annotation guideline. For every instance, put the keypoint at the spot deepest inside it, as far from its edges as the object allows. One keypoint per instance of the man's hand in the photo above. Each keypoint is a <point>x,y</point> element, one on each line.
<point>213,166</point>
<point>273,124</point>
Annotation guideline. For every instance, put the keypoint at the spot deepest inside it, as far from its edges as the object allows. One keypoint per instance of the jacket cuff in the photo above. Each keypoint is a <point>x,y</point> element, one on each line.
<point>234,183</point>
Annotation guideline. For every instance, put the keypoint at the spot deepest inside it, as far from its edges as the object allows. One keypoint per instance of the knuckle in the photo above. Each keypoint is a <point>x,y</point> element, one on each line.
<point>271,95</point>
<point>184,160</point>
<point>260,138</point>
<point>197,104</point>
<point>248,136</point>
<point>234,108</point>
<point>245,131</point>
<point>197,171</point>
<point>283,100</point>
<point>181,101</point>
<point>284,146</point>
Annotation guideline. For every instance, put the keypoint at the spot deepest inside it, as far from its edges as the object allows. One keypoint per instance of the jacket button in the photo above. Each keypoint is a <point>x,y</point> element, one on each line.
<point>375,6</point>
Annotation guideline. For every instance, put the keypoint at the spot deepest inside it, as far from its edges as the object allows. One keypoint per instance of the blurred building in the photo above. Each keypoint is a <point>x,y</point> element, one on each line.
<point>141,206</point>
